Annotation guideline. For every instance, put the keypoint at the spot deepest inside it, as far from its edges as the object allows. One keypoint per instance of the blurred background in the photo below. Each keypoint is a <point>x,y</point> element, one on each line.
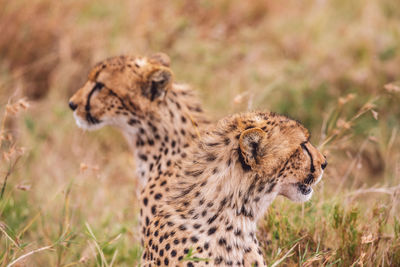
<point>68,197</point>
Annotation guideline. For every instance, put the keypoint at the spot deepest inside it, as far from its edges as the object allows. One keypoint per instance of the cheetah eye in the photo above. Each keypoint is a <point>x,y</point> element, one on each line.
<point>98,86</point>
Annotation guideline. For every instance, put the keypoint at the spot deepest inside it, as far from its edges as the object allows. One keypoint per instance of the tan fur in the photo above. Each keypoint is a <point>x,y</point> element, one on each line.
<point>228,181</point>
<point>159,126</point>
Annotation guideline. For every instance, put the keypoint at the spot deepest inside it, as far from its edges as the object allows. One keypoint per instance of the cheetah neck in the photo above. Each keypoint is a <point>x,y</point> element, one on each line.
<point>160,139</point>
<point>218,206</point>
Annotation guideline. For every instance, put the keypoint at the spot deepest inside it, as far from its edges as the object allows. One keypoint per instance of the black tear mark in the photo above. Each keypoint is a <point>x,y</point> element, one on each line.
<point>312,169</point>
<point>89,117</point>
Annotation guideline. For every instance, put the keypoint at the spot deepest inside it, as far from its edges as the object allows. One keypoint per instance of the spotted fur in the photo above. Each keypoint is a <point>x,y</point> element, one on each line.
<point>230,177</point>
<point>159,118</point>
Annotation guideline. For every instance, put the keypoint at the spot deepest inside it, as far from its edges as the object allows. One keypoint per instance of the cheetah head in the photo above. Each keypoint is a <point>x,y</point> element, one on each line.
<point>284,153</point>
<point>120,90</point>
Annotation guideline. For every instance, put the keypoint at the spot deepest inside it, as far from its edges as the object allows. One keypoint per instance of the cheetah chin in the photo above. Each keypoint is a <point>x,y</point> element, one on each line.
<point>300,192</point>
<point>83,124</point>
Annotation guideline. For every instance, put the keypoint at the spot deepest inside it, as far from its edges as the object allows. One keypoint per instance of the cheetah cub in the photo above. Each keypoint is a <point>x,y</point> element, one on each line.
<point>231,177</point>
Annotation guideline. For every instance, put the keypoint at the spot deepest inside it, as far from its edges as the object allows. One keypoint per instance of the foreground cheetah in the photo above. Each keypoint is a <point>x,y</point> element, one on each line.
<point>230,178</point>
<point>158,117</point>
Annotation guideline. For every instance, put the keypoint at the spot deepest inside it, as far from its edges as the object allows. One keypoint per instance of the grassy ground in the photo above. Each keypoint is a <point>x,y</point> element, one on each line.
<point>68,197</point>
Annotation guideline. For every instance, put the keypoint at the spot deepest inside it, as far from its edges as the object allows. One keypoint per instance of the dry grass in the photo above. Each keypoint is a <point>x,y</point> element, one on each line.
<point>68,197</point>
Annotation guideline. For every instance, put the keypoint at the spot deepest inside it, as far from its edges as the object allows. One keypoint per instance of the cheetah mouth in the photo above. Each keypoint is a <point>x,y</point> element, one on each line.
<point>300,191</point>
<point>87,124</point>
<point>304,189</point>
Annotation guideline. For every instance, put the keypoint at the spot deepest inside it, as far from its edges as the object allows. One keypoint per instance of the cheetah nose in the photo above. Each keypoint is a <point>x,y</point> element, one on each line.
<point>323,165</point>
<point>72,105</point>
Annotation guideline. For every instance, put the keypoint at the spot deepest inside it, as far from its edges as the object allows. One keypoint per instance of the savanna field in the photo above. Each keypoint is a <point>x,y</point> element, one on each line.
<point>68,197</point>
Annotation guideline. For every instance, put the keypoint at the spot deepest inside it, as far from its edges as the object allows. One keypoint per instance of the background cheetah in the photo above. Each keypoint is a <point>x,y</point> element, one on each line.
<point>158,117</point>
<point>234,173</point>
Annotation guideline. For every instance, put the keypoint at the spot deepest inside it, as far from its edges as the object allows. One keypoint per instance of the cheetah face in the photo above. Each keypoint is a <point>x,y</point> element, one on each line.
<point>303,170</point>
<point>121,90</point>
<point>284,154</point>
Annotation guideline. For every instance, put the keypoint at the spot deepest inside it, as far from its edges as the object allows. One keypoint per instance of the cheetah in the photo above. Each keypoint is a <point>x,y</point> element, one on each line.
<point>231,176</point>
<point>158,116</point>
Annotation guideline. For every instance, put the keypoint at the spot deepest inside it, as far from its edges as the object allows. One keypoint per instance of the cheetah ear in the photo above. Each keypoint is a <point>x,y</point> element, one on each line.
<point>251,146</point>
<point>158,83</point>
<point>161,58</point>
